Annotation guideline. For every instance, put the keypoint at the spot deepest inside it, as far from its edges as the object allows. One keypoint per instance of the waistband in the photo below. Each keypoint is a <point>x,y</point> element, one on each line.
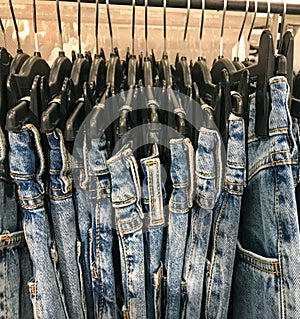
<point>60,169</point>
<point>279,119</point>
<point>26,145</point>
<point>11,240</point>
<point>208,168</point>
<point>152,189</point>
<point>182,172</point>
<point>126,190</point>
<point>235,175</point>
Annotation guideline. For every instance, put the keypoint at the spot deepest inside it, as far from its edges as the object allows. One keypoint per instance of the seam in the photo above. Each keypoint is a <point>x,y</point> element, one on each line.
<point>272,272</point>
<point>233,183</point>
<point>32,206</point>
<point>233,191</point>
<point>128,221</point>
<point>251,173</point>
<point>30,198</point>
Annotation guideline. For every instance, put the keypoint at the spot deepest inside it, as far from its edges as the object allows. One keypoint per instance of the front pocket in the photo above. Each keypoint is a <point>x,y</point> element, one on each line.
<point>255,287</point>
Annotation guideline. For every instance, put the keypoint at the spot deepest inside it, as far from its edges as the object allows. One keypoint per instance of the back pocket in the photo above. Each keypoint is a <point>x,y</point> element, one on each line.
<point>255,287</point>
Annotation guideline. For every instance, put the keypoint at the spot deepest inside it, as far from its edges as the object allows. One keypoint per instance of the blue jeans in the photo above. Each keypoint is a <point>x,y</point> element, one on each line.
<point>84,220</point>
<point>102,225</point>
<point>44,289</point>
<point>225,225</point>
<point>267,268</point>
<point>126,199</point>
<point>208,186</point>
<point>15,265</point>
<point>182,175</point>
<point>154,218</point>
<point>63,217</point>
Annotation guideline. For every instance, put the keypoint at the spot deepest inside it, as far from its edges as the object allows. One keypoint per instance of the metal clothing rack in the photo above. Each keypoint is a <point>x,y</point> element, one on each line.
<point>277,6</point>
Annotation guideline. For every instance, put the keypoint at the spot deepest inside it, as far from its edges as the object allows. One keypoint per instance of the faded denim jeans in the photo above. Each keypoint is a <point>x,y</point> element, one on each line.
<point>102,225</point>
<point>15,264</point>
<point>225,225</point>
<point>182,175</point>
<point>126,199</point>
<point>208,187</point>
<point>154,218</point>
<point>267,269</point>
<point>44,289</point>
<point>63,217</point>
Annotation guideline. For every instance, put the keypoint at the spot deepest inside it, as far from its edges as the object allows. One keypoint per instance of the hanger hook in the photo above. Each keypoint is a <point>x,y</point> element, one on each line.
<point>36,40</point>
<point>283,19</point>
<point>61,45</point>
<point>222,27</point>
<point>201,27</point>
<point>268,15</point>
<point>79,25</point>
<point>96,26</point>
<point>146,26</point>
<point>165,26</point>
<point>186,23</point>
<point>253,21</point>
<point>15,24</point>
<point>133,26</point>
<point>110,26</point>
<point>3,31</point>
<point>242,28</point>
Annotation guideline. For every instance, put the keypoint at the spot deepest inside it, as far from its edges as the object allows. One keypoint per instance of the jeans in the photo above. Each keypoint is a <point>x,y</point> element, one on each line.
<point>44,289</point>
<point>63,218</point>
<point>267,268</point>
<point>126,199</point>
<point>102,225</point>
<point>225,225</point>
<point>182,175</point>
<point>154,219</point>
<point>208,186</point>
<point>84,220</point>
<point>15,265</point>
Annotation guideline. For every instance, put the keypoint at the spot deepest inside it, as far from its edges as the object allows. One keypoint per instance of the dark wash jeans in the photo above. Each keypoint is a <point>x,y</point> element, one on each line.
<point>15,264</point>
<point>225,225</point>
<point>126,199</point>
<point>63,216</point>
<point>44,289</point>
<point>266,280</point>
<point>208,187</point>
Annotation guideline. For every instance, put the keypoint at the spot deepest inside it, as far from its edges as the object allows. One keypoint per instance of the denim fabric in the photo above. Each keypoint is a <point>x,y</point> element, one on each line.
<point>182,175</point>
<point>63,217</point>
<point>14,299</point>
<point>154,220</point>
<point>267,268</point>
<point>126,199</point>
<point>44,291</point>
<point>102,220</point>
<point>84,220</point>
<point>208,186</point>
<point>225,224</point>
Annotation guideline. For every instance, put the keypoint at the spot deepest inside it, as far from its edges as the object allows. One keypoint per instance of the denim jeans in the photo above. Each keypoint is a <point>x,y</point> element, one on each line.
<point>208,187</point>
<point>154,219</point>
<point>102,225</point>
<point>44,289</point>
<point>126,199</point>
<point>267,269</point>
<point>182,175</point>
<point>84,220</point>
<point>63,217</point>
<point>15,265</point>
<point>225,225</point>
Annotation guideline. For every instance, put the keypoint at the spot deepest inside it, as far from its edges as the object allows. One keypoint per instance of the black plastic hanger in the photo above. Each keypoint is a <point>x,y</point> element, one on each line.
<point>15,66</point>
<point>236,61</point>
<point>24,83</point>
<point>200,71</point>
<point>62,66</point>
<point>5,62</point>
